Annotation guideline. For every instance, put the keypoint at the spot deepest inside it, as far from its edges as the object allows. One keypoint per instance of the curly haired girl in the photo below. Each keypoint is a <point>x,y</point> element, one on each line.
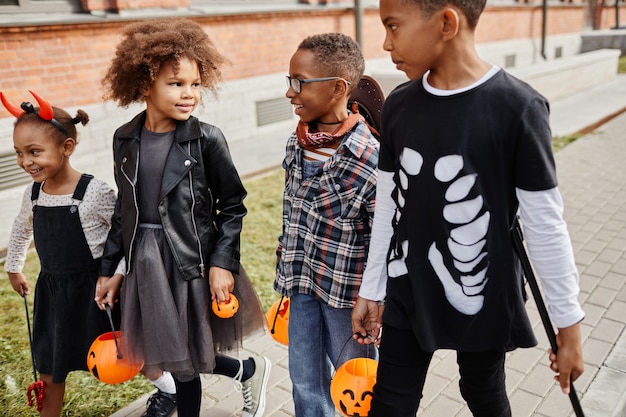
<point>178,217</point>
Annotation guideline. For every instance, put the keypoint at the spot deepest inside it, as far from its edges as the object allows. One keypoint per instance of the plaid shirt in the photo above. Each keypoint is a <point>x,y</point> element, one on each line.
<point>327,221</point>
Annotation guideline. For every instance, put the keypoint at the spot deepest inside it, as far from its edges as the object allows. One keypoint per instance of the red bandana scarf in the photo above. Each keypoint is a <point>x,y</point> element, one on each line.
<point>316,139</point>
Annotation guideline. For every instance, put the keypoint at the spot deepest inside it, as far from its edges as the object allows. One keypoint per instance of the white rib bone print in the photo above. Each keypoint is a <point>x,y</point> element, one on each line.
<point>466,244</point>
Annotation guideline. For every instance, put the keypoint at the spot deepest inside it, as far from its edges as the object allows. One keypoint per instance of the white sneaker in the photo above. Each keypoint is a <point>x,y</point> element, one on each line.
<point>255,388</point>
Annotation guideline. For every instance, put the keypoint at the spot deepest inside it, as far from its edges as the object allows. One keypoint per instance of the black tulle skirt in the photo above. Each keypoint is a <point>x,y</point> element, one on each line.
<point>167,321</point>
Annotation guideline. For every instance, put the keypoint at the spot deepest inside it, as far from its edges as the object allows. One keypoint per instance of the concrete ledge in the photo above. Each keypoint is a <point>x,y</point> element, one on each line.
<point>585,111</point>
<point>566,76</point>
<point>603,39</point>
<point>555,79</point>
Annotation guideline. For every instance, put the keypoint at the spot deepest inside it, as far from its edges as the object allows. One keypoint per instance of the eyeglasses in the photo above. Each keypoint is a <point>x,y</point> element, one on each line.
<point>296,84</point>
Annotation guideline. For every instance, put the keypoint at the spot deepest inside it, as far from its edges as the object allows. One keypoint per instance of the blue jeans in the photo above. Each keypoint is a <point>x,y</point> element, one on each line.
<point>317,335</point>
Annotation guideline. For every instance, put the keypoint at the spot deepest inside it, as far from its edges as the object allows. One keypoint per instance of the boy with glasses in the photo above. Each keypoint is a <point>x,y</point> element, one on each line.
<point>328,206</point>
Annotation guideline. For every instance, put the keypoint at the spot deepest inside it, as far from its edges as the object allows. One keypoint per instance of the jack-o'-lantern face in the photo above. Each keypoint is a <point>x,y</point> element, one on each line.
<point>226,309</point>
<point>355,407</point>
<point>106,363</point>
<point>351,388</point>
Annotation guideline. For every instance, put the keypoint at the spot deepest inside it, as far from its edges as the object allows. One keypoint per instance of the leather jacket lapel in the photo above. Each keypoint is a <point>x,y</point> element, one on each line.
<point>179,163</point>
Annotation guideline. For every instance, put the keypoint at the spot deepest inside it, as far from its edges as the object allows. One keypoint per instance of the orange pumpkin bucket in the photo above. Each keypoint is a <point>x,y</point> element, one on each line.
<point>351,389</point>
<point>226,309</point>
<point>278,320</point>
<point>107,364</point>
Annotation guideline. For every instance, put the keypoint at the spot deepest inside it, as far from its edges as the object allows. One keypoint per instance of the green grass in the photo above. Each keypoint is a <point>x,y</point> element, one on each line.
<point>261,228</point>
<point>621,66</point>
<point>559,142</point>
<point>87,397</point>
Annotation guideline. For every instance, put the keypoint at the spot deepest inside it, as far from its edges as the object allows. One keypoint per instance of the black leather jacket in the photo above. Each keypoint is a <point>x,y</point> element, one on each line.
<point>201,206</point>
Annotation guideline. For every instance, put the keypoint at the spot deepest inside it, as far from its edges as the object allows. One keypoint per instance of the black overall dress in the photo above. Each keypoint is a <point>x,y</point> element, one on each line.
<point>66,317</point>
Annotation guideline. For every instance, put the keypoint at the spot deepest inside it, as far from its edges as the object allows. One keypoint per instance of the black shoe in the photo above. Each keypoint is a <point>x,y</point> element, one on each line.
<point>160,404</point>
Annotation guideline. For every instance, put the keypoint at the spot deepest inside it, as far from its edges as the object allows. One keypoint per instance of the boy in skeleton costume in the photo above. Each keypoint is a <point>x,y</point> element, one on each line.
<point>463,146</point>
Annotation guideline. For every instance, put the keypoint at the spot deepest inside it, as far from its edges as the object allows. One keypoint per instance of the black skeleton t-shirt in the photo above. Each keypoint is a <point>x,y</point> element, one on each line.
<point>457,159</point>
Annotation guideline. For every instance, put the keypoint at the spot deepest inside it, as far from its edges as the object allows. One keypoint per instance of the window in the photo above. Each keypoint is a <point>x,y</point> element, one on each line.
<point>11,175</point>
<point>39,6</point>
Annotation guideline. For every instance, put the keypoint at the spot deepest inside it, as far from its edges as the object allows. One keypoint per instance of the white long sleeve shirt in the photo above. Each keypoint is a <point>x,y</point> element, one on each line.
<point>546,236</point>
<point>95,211</point>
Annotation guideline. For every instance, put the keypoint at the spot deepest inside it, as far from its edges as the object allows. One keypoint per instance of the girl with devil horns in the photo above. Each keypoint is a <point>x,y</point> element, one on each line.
<point>68,214</point>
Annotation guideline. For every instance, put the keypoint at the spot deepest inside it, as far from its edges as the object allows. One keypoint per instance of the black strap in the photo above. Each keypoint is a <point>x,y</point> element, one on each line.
<point>518,239</point>
<point>34,195</point>
<point>79,192</point>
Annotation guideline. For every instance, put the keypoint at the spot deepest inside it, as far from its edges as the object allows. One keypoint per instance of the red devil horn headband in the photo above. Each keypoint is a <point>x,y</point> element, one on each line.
<point>12,108</point>
<point>45,110</point>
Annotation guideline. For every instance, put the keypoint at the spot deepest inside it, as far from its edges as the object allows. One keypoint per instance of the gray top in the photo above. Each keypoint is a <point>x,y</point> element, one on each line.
<point>154,148</point>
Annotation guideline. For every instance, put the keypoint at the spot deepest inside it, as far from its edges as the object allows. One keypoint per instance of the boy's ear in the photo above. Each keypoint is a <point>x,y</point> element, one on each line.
<point>341,87</point>
<point>451,23</point>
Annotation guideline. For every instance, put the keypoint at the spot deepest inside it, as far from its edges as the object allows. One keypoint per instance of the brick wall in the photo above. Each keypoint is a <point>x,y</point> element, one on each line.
<point>605,16</point>
<point>500,23</point>
<point>63,61</point>
<point>66,62</point>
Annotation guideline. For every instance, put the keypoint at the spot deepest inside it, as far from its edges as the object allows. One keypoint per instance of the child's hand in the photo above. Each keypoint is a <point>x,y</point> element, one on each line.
<point>279,251</point>
<point>221,283</point>
<point>367,321</point>
<point>19,283</point>
<point>568,361</point>
<point>108,290</point>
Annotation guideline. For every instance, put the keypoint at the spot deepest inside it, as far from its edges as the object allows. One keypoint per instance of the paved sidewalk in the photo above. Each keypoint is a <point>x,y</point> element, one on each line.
<point>592,179</point>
